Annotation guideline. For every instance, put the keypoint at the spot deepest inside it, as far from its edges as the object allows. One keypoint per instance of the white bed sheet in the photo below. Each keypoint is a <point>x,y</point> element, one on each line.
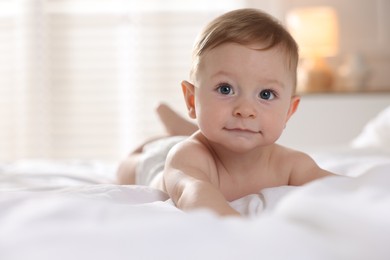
<point>69,211</point>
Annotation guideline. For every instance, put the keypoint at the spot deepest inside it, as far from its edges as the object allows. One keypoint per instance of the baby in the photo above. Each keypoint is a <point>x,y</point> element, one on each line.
<point>241,92</point>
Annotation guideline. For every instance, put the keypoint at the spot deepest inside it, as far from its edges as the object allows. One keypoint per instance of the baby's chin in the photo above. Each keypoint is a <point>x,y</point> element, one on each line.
<point>241,145</point>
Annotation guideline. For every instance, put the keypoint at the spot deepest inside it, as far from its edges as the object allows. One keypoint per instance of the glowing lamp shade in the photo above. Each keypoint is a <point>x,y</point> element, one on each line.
<point>316,31</point>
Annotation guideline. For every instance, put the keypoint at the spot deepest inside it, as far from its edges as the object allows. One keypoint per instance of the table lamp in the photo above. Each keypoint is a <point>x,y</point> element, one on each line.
<point>316,31</point>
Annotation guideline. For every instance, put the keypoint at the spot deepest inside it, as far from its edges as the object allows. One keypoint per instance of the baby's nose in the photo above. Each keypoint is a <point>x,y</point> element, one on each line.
<point>245,110</point>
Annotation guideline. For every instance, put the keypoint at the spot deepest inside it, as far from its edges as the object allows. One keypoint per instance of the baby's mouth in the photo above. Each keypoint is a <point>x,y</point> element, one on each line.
<point>241,130</point>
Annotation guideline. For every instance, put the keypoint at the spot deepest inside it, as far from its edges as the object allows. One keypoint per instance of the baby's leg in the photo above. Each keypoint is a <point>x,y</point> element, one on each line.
<point>174,123</point>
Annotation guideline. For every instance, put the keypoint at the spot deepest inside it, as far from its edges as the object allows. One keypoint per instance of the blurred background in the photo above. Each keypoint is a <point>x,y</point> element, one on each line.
<point>81,78</point>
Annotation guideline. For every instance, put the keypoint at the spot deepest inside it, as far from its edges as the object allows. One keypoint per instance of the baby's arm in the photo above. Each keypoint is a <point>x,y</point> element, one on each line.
<point>188,183</point>
<point>305,169</point>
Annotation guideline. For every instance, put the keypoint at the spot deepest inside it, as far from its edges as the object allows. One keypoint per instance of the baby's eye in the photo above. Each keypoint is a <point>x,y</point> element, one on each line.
<point>267,94</point>
<point>225,89</point>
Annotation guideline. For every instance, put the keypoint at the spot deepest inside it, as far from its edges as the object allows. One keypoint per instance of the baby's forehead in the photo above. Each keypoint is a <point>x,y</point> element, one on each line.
<point>234,50</point>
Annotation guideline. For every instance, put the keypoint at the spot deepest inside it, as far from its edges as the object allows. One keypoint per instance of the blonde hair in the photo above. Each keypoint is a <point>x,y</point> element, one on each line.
<point>246,26</point>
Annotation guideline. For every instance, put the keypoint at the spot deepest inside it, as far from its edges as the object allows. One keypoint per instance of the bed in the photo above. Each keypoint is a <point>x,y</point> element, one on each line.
<point>73,210</point>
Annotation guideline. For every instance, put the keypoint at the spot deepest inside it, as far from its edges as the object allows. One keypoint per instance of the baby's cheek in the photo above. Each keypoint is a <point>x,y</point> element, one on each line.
<point>274,128</point>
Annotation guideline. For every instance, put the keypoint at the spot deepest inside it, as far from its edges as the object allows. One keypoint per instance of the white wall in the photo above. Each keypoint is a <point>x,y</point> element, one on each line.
<point>331,120</point>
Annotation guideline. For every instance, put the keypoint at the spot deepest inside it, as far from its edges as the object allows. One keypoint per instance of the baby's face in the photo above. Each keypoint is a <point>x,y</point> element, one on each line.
<point>243,96</point>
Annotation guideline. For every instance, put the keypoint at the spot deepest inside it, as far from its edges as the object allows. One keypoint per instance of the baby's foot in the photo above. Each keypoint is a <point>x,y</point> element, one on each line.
<point>174,123</point>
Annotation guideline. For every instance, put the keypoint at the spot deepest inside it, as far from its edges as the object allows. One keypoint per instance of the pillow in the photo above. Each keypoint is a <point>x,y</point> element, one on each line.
<point>376,132</point>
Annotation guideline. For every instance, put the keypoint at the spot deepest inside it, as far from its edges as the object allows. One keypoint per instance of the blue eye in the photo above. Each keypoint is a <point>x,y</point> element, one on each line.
<point>267,94</point>
<point>225,89</point>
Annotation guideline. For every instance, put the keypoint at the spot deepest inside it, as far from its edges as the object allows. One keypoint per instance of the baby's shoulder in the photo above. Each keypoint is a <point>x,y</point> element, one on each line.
<point>289,155</point>
<point>193,148</point>
<point>191,144</point>
<point>191,153</point>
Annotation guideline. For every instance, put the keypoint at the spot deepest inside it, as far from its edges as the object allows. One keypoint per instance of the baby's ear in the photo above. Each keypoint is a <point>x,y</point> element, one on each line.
<point>189,97</point>
<point>293,106</point>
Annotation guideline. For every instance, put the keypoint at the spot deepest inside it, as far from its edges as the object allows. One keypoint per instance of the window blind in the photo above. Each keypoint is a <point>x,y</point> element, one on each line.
<point>80,79</point>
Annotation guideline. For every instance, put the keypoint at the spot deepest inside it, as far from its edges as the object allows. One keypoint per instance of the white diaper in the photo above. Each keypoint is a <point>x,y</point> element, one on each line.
<point>153,158</point>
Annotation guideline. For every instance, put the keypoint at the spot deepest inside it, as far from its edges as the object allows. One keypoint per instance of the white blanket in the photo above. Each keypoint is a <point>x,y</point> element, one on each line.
<point>332,218</point>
